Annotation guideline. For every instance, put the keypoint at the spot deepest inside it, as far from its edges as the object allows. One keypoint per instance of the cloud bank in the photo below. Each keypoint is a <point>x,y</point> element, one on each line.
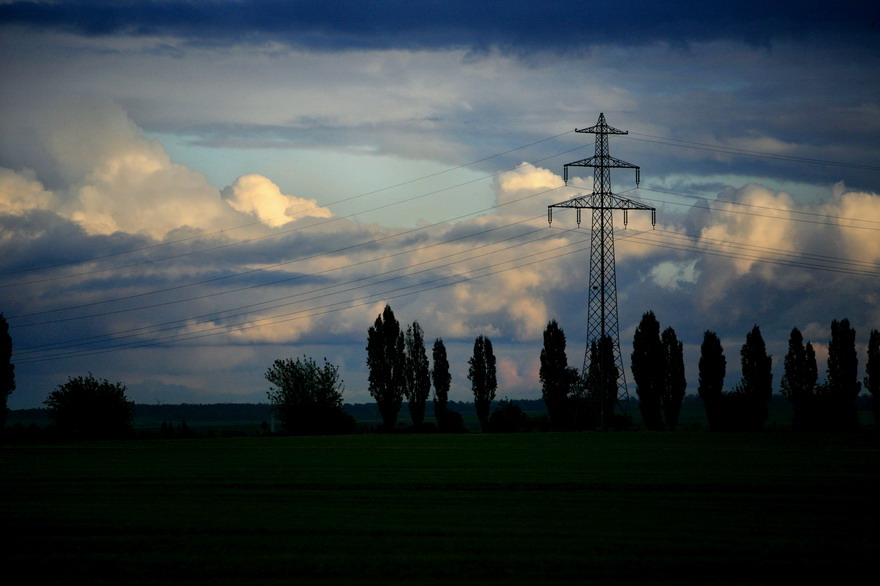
<point>184,199</point>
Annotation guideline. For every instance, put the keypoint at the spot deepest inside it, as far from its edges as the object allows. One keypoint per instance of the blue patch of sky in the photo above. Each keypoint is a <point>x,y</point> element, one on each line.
<point>331,176</point>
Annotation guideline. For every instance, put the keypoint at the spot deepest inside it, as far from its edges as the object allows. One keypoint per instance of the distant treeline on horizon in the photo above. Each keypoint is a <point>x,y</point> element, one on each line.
<point>213,412</point>
<point>193,412</point>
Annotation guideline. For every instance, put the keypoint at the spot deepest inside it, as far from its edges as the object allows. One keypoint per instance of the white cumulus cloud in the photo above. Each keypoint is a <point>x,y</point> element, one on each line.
<point>259,196</point>
<point>105,174</point>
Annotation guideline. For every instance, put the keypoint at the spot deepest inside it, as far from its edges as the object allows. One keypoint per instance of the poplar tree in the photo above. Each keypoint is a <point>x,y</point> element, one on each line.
<point>675,384</point>
<point>712,370</point>
<point>648,369</point>
<point>872,373</point>
<point>752,394</point>
<point>481,373</point>
<point>386,361</point>
<point>798,383</point>
<point>442,380</point>
<point>601,381</point>
<point>418,373</point>
<point>7,369</point>
<point>838,395</point>
<point>556,376</point>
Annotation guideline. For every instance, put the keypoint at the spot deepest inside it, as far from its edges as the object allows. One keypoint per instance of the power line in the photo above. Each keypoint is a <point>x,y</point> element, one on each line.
<point>779,251</point>
<point>643,237</point>
<point>675,242</point>
<point>753,253</point>
<point>274,235</point>
<point>374,241</point>
<point>321,310</point>
<point>280,233</point>
<point>224,312</point>
<point>676,246</point>
<point>666,141</point>
<point>768,208</point>
<point>268,267</point>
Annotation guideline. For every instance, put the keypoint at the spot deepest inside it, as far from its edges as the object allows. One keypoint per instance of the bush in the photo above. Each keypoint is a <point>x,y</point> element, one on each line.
<point>87,408</point>
<point>449,421</point>
<point>508,418</point>
<point>308,398</point>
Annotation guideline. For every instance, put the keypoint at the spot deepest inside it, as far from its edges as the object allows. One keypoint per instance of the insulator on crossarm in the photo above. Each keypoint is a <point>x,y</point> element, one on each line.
<point>578,217</point>
<point>549,216</point>
<point>638,176</point>
<point>625,217</point>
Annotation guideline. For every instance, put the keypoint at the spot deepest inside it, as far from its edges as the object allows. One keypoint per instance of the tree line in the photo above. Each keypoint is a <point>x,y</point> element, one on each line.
<point>307,396</point>
<point>308,399</point>
<point>399,369</point>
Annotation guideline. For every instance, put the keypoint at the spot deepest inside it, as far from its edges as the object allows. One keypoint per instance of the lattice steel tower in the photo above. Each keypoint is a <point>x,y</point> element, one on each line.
<point>602,305</point>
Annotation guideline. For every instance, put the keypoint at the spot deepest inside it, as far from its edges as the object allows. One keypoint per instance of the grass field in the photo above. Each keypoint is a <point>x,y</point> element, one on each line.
<point>541,508</point>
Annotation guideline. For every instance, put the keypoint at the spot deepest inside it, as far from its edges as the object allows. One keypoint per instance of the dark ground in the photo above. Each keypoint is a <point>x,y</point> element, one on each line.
<point>552,508</point>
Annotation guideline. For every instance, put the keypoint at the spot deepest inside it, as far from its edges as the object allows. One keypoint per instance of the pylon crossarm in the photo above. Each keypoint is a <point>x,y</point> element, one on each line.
<point>602,161</point>
<point>607,202</point>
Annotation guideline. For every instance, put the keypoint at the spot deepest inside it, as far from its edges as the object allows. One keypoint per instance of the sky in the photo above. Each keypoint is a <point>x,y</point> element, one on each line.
<point>190,190</point>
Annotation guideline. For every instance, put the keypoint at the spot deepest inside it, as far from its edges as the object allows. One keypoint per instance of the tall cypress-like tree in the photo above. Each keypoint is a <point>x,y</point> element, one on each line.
<point>484,382</point>
<point>601,381</point>
<point>750,406</point>
<point>713,368</point>
<point>648,368</point>
<point>675,384</point>
<point>872,373</point>
<point>418,373</point>
<point>837,396</point>
<point>812,368</point>
<point>442,380</point>
<point>386,361</point>
<point>799,380</point>
<point>7,369</point>
<point>556,376</point>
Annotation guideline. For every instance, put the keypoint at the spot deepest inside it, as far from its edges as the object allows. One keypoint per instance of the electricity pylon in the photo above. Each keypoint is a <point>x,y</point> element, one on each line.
<point>602,305</point>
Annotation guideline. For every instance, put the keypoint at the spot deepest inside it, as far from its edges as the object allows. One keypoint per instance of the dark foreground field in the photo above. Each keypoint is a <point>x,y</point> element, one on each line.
<point>615,508</point>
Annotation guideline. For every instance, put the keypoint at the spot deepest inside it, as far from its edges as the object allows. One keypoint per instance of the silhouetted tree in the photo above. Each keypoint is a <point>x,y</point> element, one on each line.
<point>837,397</point>
<point>508,417</point>
<point>481,373</point>
<point>308,398</point>
<point>675,384</point>
<point>798,383</point>
<point>418,373</point>
<point>87,408</point>
<point>649,370</point>
<point>872,373</point>
<point>556,376</point>
<point>747,408</point>
<point>387,364</point>
<point>7,369</point>
<point>600,383</point>
<point>446,420</point>
<point>712,370</point>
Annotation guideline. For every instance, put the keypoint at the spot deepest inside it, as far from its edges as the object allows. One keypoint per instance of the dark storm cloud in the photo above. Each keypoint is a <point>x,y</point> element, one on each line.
<point>561,25</point>
<point>31,244</point>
